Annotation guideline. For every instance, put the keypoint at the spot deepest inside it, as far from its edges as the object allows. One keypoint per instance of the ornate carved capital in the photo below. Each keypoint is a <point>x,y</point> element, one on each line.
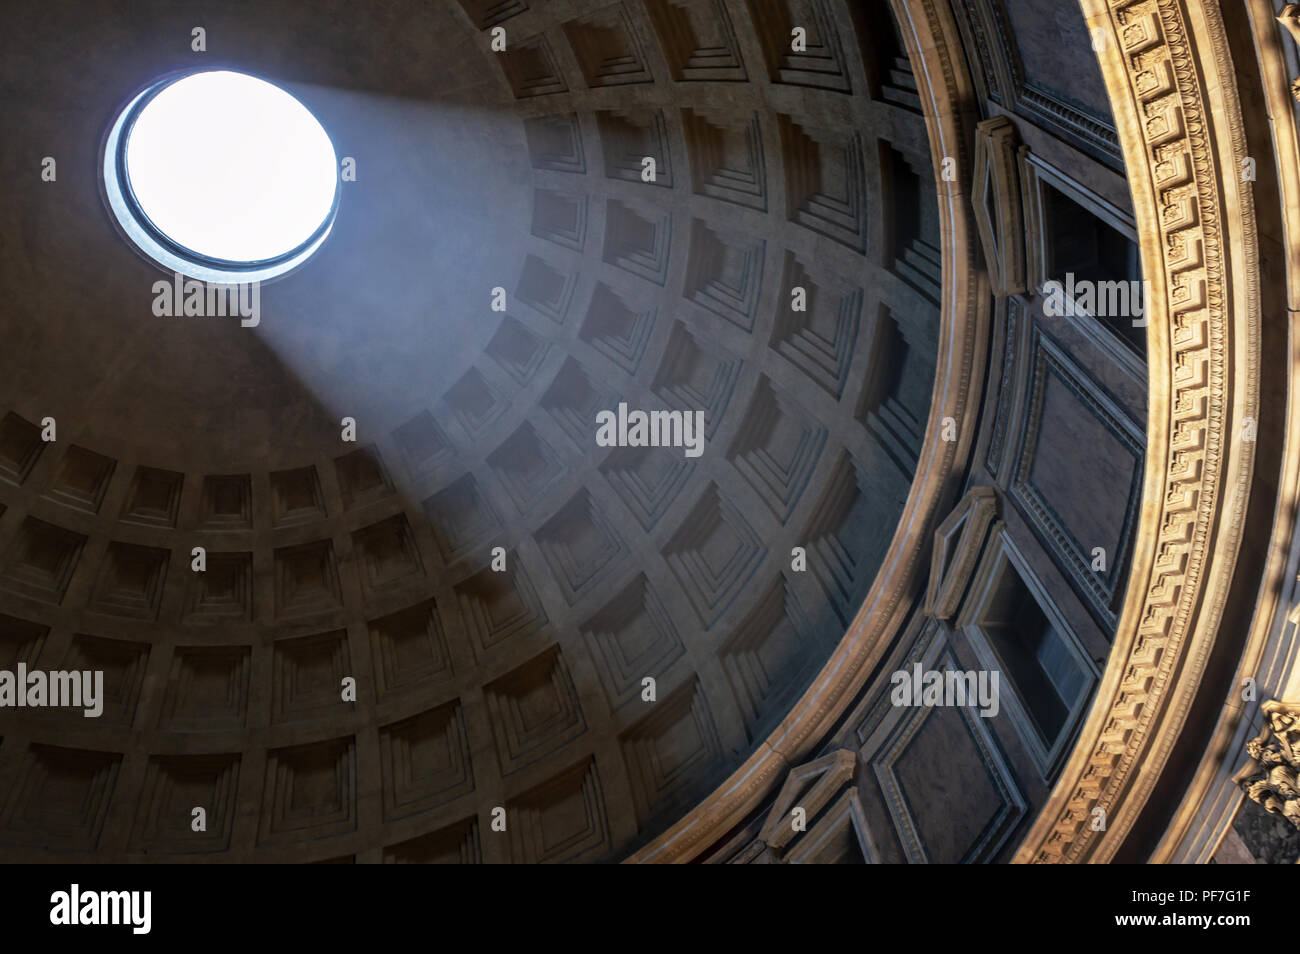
<point>1271,776</point>
<point>1290,19</point>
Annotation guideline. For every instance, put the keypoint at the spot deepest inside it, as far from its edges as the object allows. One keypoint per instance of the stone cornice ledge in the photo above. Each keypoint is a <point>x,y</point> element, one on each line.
<point>1170,79</point>
<point>1271,655</point>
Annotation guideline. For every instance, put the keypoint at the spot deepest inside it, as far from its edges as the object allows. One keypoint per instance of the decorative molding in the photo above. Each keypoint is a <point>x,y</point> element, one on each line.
<point>1271,776</point>
<point>894,736</point>
<point>846,818</point>
<point>785,837</point>
<point>1011,333</point>
<point>1169,73</point>
<point>1269,655</point>
<point>1036,176</point>
<point>1031,199</point>
<point>1004,81</point>
<point>997,205</point>
<point>810,787</point>
<point>1100,590</point>
<point>979,46</point>
<point>958,542</point>
<point>1001,558</point>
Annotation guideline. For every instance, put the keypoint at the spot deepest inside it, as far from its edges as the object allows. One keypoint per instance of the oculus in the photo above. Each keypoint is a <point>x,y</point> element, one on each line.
<point>221,176</point>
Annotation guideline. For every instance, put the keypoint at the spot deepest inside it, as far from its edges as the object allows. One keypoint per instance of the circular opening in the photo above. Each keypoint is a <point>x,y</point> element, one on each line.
<point>221,176</point>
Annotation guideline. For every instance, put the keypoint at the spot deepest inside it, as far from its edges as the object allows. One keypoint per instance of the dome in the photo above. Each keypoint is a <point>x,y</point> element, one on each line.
<point>591,432</point>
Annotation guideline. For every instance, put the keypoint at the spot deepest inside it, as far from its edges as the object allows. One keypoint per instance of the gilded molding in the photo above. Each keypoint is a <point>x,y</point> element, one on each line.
<point>1169,75</point>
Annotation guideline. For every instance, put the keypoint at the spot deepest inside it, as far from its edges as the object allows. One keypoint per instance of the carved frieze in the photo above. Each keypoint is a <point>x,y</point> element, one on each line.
<point>1169,73</point>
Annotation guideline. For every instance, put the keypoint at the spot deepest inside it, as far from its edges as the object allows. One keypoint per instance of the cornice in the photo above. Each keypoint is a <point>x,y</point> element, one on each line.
<point>1169,75</point>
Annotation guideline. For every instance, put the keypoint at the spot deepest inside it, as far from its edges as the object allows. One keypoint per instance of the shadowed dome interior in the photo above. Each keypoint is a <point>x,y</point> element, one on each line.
<point>779,271</point>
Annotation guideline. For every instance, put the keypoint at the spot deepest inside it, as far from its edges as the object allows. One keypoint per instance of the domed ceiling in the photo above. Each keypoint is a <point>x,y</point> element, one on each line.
<point>499,586</point>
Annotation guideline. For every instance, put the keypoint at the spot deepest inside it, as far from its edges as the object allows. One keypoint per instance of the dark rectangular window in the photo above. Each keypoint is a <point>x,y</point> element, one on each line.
<point>1083,244</point>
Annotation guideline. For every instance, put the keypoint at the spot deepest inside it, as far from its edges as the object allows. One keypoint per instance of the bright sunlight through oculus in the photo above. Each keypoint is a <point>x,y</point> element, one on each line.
<point>230,167</point>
